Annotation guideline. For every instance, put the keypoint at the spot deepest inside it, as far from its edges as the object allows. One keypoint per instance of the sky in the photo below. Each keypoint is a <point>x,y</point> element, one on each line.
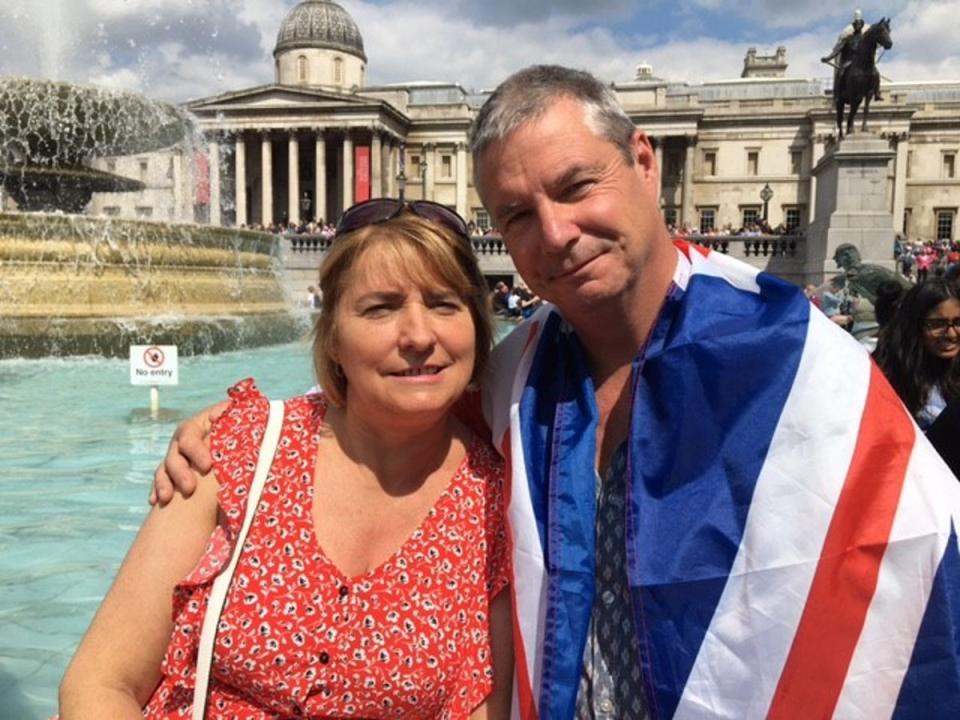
<point>178,50</point>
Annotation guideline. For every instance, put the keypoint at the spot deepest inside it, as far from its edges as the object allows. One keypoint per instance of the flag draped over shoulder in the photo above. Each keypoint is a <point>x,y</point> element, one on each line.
<point>791,543</point>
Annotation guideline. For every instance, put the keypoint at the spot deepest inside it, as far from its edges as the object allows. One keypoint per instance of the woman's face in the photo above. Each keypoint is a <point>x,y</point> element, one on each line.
<point>407,352</point>
<point>941,330</point>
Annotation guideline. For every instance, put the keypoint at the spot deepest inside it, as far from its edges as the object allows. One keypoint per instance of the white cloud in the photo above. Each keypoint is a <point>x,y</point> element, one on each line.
<point>181,49</point>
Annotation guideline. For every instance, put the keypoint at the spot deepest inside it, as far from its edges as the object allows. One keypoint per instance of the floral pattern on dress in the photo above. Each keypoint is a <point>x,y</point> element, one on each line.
<point>409,639</point>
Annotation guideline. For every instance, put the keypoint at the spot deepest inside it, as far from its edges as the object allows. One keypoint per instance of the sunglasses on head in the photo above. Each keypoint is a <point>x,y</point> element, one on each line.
<point>380,210</point>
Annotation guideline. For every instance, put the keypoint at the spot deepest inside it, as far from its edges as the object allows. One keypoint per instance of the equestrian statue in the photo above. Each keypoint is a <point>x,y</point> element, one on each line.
<point>855,75</point>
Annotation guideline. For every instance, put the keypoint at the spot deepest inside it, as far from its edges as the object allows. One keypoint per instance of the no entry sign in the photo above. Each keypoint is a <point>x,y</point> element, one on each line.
<point>153,365</point>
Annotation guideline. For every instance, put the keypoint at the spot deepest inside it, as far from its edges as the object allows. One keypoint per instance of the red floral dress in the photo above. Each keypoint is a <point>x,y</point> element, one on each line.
<point>410,639</point>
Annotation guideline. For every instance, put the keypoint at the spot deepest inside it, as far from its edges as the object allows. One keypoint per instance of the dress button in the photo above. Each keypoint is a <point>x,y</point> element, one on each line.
<point>606,706</point>
<point>344,591</point>
<point>324,657</point>
<point>608,597</point>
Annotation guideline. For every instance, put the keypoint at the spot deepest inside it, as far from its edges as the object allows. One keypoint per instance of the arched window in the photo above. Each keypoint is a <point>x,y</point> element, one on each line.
<point>338,71</point>
<point>302,68</point>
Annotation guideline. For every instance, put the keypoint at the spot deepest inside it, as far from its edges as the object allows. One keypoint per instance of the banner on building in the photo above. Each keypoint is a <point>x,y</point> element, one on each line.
<point>361,164</point>
<point>201,164</point>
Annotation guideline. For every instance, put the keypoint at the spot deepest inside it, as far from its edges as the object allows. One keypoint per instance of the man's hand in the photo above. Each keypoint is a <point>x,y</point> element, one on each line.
<point>188,457</point>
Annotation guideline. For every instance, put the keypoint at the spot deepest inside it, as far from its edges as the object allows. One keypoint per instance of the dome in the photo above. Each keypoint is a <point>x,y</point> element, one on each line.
<point>320,24</point>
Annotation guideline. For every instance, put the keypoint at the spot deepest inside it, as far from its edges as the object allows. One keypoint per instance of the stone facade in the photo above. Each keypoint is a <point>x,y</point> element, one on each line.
<point>307,146</point>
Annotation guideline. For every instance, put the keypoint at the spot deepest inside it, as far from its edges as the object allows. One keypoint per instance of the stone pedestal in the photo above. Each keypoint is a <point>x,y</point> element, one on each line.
<point>853,197</point>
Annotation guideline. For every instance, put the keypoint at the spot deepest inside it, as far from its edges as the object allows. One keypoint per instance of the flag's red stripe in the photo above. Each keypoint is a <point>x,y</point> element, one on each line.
<point>846,575</point>
<point>522,688</point>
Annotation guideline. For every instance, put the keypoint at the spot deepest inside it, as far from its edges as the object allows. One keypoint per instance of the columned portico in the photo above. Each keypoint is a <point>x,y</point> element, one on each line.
<point>385,165</point>
<point>431,158</point>
<point>240,179</point>
<point>320,176</point>
<point>462,179</point>
<point>394,167</point>
<point>688,156</point>
<point>376,166</point>
<point>347,169</point>
<point>293,178</point>
<point>266,179</point>
<point>214,170</point>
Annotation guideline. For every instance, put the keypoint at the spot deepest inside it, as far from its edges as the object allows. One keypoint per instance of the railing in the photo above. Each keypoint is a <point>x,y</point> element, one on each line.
<point>753,246</point>
<point>309,243</point>
<point>483,245</point>
<point>782,255</point>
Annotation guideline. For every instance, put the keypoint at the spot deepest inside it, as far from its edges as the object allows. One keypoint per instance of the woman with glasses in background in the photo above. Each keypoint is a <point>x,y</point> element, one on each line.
<point>371,581</point>
<point>918,351</point>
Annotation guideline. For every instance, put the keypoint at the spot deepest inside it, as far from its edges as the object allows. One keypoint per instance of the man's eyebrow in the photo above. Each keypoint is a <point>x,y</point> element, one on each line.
<point>573,172</point>
<point>565,178</point>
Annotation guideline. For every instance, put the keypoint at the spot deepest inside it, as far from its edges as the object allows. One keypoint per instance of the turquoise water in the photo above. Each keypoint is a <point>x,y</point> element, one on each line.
<point>77,453</point>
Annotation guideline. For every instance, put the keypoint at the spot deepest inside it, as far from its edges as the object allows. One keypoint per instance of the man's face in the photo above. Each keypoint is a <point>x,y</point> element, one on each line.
<point>857,25</point>
<point>577,218</point>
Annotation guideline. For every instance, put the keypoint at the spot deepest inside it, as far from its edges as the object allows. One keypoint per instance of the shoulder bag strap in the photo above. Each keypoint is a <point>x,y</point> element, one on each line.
<point>218,593</point>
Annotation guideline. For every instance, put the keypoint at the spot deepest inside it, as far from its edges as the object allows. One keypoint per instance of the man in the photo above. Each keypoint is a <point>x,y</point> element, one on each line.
<point>718,507</point>
<point>846,44</point>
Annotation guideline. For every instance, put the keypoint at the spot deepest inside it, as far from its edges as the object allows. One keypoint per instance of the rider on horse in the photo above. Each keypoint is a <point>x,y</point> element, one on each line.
<point>845,46</point>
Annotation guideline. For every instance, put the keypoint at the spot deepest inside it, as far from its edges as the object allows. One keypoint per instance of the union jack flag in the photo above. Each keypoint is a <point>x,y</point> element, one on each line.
<point>791,534</point>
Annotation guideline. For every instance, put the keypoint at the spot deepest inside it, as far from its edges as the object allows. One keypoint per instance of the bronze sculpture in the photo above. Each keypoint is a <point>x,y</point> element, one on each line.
<point>856,78</point>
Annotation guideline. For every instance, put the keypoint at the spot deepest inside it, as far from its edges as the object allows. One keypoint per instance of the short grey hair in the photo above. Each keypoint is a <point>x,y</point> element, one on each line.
<point>527,94</point>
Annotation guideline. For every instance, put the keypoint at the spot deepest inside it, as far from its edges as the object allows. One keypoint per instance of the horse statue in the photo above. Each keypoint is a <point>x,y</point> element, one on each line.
<point>859,80</point>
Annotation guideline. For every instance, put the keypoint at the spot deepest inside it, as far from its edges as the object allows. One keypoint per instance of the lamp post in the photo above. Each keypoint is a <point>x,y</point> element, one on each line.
<point>766,195</point>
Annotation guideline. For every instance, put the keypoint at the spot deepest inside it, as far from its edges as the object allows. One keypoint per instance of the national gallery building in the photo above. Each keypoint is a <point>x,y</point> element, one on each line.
<point>320,138</point>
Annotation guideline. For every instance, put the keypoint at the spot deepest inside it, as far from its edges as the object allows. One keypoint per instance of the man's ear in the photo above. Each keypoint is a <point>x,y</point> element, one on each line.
<point>644,156</point>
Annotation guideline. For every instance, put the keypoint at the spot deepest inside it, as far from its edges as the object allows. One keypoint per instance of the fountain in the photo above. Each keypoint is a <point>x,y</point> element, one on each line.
<point>72,284</point>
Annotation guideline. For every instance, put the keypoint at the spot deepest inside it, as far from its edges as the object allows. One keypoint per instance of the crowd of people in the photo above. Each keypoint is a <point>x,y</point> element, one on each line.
<point>919,259</point>
<point>514,303</point>
<point>756,229</point>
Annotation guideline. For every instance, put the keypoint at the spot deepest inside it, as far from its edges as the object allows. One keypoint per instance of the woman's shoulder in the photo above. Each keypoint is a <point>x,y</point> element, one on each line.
<point>236,436</point>
<point>483,458</point>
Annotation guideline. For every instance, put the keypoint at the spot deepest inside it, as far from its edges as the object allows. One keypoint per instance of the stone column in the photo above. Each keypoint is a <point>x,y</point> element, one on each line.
<point>215,218</point>
<point>462,179</point>
<point>688,156</point>
<point>376,166</point>
<point>240,180</point>
<point>658,153</point>
<point>385,173</point>
<point>900,180</point>
<point>347,169</point>
<point>393,166</point>
<point>430,156</point>
<point>320,178</point>
<point>266,180</point>
<point>293,178</point>
<point>815,157</point>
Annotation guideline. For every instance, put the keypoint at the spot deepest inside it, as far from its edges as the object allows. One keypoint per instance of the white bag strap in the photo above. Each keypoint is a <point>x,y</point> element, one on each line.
<point>218,593</point>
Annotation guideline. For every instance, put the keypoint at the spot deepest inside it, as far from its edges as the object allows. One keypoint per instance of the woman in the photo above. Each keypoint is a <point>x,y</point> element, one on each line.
<point>918,350</point>
<point>370,582</point>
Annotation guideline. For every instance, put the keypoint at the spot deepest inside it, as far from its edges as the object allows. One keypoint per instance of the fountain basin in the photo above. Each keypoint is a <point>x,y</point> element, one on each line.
<point>78,285</point>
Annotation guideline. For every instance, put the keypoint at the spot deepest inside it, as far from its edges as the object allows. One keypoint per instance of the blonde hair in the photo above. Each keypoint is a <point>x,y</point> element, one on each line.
<point>429,254</point>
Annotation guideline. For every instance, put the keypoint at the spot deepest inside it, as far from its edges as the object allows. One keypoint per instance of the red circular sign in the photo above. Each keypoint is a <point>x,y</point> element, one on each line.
<point>153,357</point>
